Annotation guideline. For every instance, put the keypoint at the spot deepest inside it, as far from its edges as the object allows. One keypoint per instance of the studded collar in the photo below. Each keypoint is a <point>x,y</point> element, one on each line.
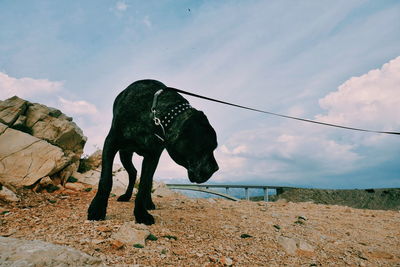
<point>165,119</point>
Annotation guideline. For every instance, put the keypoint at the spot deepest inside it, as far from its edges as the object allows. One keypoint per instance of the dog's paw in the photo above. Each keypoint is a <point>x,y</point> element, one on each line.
<point>96,211</point>
<point>150,206</point>
<point>145,218</point>
<point>124,198</point>
<point>95,215</point>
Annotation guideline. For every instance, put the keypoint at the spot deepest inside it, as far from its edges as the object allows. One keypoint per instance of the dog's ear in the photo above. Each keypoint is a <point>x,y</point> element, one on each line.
<point>199,127</point>
<point>201,118</point>
<point>198,118</point>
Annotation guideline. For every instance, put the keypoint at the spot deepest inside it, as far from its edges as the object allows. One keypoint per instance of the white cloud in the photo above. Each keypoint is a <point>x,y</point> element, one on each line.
<point>295,152</point>
<point>77,107</point>
<point>147,21</point>
<point>121,6</point>
<point>26,87</point>
<point>168,169</point>
<point>268,151</point>
<point>371,100</point>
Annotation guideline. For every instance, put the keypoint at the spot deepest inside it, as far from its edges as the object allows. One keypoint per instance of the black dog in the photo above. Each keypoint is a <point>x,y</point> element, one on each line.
<point>149,117</point>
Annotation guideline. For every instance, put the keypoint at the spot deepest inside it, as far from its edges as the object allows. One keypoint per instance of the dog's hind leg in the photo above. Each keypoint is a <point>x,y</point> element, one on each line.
<point>98,207</point>
<point>126,160</point>
<point>143,197</point>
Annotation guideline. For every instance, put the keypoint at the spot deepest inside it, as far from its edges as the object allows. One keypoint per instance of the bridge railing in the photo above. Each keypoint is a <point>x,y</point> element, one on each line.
<point>201,187</point>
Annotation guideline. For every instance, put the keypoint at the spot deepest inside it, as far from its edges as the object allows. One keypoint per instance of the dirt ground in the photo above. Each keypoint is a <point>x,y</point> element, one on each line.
<point>213,232</point>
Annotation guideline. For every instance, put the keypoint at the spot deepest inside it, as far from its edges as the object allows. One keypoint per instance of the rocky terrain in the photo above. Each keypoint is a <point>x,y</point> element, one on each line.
<point>44,200</point>
<point>208,232</point>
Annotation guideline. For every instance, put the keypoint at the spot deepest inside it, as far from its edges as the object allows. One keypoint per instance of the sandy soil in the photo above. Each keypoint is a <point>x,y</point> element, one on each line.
<point>214,232</point>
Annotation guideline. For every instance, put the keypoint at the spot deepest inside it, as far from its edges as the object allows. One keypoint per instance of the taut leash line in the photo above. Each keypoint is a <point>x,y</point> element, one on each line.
<point>279,115</point>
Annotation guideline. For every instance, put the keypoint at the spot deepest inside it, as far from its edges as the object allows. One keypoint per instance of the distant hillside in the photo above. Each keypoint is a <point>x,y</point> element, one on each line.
<point>380,199</point>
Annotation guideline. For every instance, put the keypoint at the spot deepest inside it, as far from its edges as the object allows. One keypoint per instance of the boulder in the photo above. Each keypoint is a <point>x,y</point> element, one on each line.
<point>161,190</point>
<point>53,126</point>
<point>19,252</point>
<point>25,159</point>
<point>288,244</point>
<point>91,177</point>
<point>131,233</point>
<point>293,245</point>
<point>120,179</point>
<point>94,160</point>
<point>7,195</point>
<point>46,182</point>
<point>74,186</point>
<point>37,141</point>
<point>11,109</point>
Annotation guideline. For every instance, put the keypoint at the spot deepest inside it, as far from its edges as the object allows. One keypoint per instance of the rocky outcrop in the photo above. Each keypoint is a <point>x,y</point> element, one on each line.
<point>37,142</point>
<point>18,252</point>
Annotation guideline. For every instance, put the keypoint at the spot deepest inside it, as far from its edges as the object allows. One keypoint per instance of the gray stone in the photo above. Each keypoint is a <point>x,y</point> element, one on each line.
<point>94,160</point>
<point>288,244</point>
<point>8,195</point>
<point>46,182</point>
<point>303,245</point>
<point>161,190</point>
<point>3,128</point>
<point>90,177</point>
<point>131,233</point>
<point>11,109</point>
<point>120,179</point>
<point>74,186</point>
<point>56,130</point>
<point>25,159</point>
<point>17,252</point>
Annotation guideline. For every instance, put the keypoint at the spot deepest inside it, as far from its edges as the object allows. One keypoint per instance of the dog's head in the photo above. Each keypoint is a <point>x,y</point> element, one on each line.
<point>192,147</point>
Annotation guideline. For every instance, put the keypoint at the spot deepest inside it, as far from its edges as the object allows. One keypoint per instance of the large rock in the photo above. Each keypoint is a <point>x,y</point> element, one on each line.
<point>94,160</point>
<point>18,252</point>
<point>25,159</point>
<point>37,141</point>
<point>55,127</point>
<point>161,190</point>
<point>293,245</point>
<point>131,233</point>
<point>11,109</point>
<point>120,179</point>
<point>7,195</point>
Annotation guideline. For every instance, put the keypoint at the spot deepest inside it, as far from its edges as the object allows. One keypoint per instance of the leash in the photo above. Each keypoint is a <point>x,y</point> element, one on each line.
<point>157,120</point>
<point>279,115</point>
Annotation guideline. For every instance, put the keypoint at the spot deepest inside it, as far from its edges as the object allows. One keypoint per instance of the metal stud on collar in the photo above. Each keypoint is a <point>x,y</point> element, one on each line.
<point>175,111</point>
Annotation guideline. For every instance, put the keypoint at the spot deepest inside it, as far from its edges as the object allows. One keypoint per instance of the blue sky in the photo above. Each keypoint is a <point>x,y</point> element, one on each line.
<point>334,61</point>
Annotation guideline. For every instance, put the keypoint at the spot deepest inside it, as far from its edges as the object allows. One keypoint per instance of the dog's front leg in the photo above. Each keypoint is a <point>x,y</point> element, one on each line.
<point>98,207</point>
<point>143,196</point>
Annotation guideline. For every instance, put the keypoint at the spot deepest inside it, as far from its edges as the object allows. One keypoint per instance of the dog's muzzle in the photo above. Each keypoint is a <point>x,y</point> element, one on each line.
<point>201,175</point>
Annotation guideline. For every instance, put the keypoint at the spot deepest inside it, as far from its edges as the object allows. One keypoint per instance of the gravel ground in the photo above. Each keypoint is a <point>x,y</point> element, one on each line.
<point>213,232</point>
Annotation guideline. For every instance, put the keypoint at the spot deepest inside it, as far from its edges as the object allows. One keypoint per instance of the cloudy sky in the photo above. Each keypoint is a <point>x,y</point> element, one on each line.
<point>332,61</point>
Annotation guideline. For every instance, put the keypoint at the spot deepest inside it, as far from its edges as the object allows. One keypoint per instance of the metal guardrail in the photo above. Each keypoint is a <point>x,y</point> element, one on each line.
<point>205,188</point>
